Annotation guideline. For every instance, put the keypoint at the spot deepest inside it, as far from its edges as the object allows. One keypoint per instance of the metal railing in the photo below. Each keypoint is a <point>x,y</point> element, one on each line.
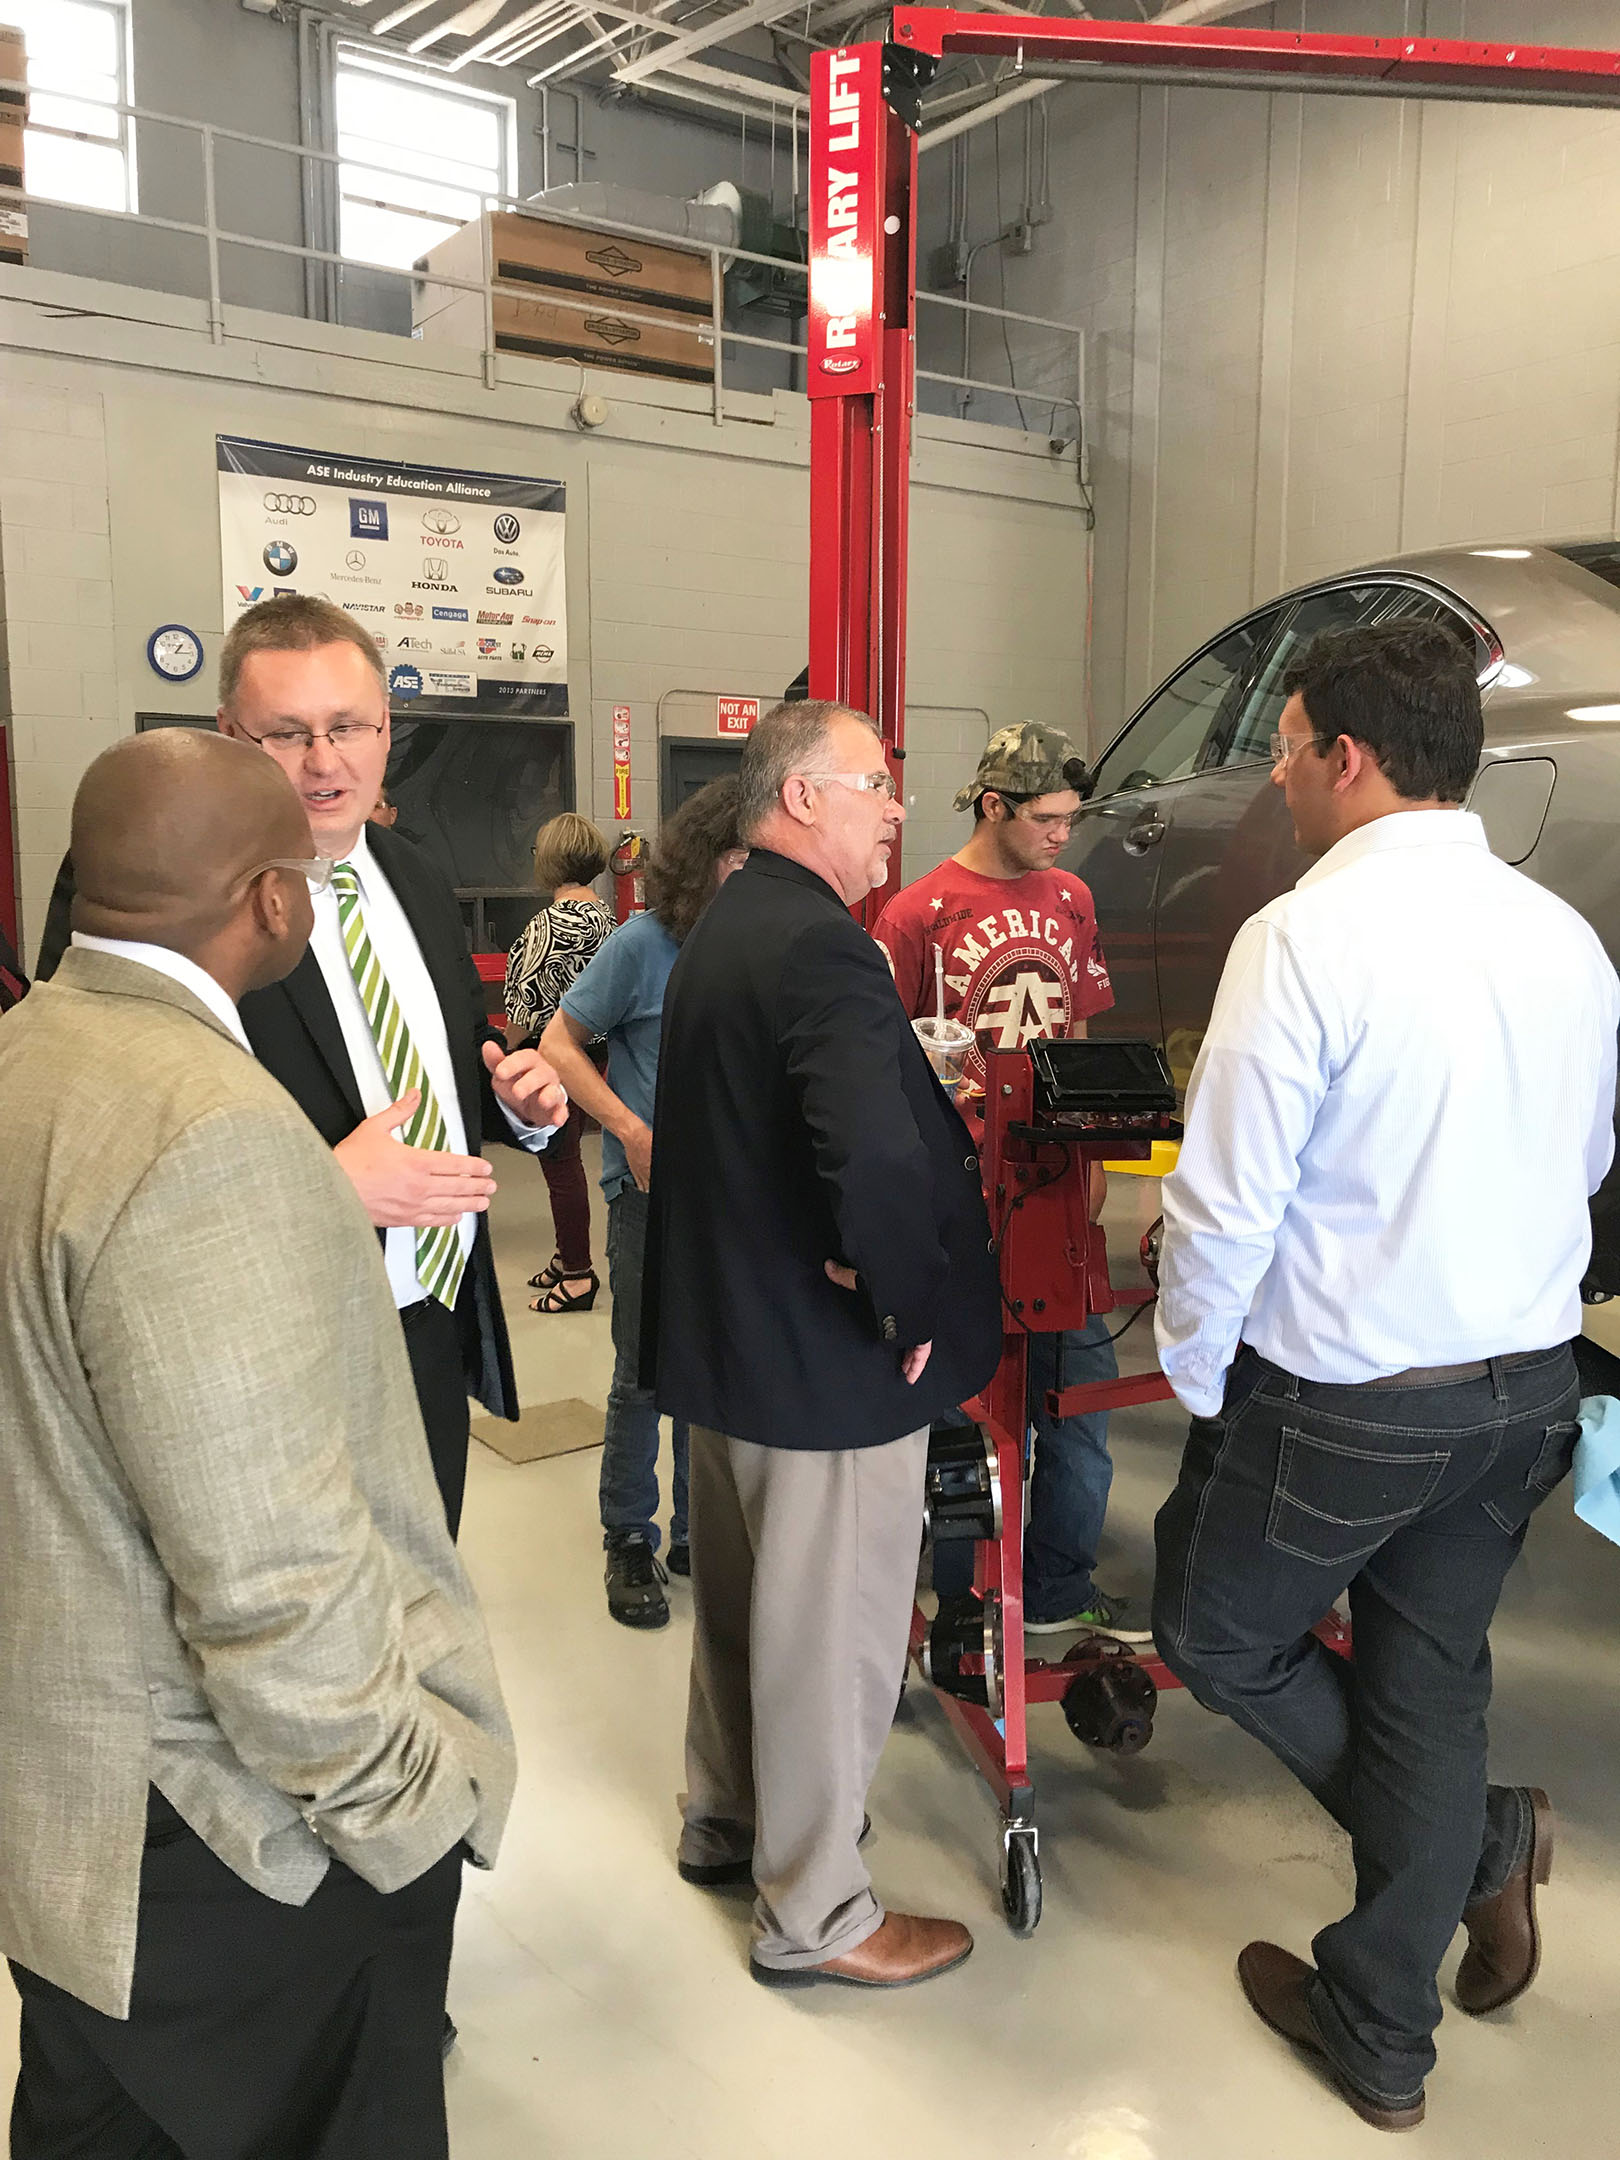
<point>216,237</point>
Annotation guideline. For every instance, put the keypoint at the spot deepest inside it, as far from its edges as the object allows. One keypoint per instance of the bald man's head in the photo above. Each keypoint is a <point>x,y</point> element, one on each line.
<point>168,831</point>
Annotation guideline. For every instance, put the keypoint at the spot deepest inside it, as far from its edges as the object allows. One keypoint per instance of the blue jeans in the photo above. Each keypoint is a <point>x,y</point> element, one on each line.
<point>1415,1500</point>
<point>628,1496</point>
<point>1069,1486</point>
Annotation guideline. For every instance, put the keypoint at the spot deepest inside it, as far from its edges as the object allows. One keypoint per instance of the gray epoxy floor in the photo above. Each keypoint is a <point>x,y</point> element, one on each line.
<point>605,2008</point>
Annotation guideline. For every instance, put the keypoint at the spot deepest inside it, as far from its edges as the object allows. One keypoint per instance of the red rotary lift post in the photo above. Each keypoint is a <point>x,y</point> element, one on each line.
<point>863,185</point>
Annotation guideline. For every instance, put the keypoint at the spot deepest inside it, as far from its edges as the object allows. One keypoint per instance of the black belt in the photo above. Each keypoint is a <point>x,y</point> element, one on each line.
<point>1420,1376</point>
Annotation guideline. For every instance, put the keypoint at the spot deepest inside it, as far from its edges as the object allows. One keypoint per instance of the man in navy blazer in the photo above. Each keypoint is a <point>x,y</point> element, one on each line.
<point>821,1285</point>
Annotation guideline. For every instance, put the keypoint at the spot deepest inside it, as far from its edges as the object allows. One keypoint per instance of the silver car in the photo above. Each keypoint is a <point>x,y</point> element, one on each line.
<point>1182,836</point>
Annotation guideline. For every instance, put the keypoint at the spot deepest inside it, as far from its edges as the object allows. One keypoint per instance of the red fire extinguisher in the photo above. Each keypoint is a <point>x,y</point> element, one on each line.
<point>627,863</point>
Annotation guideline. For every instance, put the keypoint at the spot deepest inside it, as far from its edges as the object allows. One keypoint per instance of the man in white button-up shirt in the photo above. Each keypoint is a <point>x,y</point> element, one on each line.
<point>1374,1244</point>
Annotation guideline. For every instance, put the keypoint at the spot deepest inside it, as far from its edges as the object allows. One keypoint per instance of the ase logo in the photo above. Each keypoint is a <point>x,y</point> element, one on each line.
<point>449,614</point>
<point>250,593</point>
<point>367,520</point>
<point>281,557</point>
<point>508,574</point>
<point>405,683</point>
<point>507,528</point>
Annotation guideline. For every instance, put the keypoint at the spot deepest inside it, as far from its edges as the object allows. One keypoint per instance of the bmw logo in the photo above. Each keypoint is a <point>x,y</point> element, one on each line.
<point>280,558</point>
<point>508,574</point>
<point>507,528</point>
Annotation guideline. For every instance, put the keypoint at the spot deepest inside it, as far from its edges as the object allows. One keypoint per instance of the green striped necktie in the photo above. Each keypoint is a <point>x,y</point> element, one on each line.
<point>439,1257</point>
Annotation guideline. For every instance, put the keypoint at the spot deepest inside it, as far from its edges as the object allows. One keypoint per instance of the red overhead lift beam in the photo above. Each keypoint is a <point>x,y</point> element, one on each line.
<point>863,184</point>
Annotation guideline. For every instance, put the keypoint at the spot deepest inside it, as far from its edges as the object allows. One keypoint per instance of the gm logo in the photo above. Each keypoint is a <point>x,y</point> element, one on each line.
<point>508,574</point>
<point>367,520</point>
<point>507,528</point>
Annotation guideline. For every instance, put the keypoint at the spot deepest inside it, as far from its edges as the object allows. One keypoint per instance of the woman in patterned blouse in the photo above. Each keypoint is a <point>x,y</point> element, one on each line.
<point>569,853</point>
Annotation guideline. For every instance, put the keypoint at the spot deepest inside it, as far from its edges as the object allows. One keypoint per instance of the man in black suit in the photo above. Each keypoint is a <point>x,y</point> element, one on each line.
<point>820,1287</point>
<point>303,681</point>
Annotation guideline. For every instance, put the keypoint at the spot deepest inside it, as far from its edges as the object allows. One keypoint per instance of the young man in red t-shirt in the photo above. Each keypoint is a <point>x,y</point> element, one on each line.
<point>1019,940</point>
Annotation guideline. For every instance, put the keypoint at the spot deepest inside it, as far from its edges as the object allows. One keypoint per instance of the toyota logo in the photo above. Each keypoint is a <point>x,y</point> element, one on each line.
<point>442,522</point>
<point>290,505</point>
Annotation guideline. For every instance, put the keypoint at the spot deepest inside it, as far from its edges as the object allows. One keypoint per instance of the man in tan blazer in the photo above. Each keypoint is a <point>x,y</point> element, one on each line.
<point>249,1720</point>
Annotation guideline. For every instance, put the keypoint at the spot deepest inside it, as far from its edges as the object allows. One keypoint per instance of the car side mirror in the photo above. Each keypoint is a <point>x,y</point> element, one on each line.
<point>1086,786</point>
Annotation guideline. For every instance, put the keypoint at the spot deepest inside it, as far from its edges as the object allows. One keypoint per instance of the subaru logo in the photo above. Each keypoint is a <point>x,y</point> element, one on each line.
<point>508,574</point>
<point>507,528</point>
<point>280,558</point>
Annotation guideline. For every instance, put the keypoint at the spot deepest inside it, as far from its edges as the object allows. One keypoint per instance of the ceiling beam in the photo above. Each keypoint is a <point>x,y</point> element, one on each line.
<point>716,32</point>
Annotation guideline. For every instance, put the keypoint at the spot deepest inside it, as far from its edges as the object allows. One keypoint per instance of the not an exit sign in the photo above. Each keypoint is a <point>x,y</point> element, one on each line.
<point>736,715</point>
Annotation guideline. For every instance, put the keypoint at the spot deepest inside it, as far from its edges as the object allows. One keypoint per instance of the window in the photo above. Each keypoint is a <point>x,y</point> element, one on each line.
<point>1163,741</point>
<point>78,73</point>
<point>387,119</point>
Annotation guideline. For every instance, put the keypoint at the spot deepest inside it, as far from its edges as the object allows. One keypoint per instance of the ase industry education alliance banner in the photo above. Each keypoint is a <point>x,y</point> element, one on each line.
<point>457,575</point>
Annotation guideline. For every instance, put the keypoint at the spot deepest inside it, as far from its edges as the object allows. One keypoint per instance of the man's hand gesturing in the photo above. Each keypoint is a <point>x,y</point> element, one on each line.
<point>408,1187</point>
<point>526,1084</point>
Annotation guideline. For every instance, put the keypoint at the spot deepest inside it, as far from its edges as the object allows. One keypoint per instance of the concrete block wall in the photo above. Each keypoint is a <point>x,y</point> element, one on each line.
<point>59,683</point>
<point>687,543</point>
<point>1351,328</point>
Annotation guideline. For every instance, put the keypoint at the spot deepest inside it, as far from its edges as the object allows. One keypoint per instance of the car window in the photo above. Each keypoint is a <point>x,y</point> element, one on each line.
<point>1165,739</point>
<point>1337,609</point>
<point>1340,608</point>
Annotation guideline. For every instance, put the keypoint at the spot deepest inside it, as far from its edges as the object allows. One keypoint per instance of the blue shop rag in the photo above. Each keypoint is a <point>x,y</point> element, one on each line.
<point>1597,1466</point>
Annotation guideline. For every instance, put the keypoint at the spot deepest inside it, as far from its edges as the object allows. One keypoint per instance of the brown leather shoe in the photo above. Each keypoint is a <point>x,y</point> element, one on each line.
<point>1504,1942</point>
<point>1278,1987</point>
<point>902,1951</point>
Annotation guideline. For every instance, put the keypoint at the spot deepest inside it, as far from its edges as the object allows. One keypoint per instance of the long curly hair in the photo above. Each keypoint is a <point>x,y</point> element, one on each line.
<point>681,869</point>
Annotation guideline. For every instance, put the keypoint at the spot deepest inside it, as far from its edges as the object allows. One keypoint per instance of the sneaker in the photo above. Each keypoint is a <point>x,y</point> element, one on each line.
<point>1100,1615</point>
<point>635,1581</point>
<point>680,1557</point>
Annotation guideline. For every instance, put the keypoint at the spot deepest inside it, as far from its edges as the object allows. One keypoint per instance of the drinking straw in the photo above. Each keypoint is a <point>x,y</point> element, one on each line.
<point>939,983</point>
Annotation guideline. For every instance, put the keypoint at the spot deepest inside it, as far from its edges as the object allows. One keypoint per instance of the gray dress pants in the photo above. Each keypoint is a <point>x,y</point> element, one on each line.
<point>803,1569</point>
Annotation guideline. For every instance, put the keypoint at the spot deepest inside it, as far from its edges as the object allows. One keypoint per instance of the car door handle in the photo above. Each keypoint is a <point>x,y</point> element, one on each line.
<point>1145,833</point>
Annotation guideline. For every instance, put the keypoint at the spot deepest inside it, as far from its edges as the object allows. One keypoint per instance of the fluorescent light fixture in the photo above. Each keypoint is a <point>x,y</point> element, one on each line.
<point>1594,712</point>
<point>1503,554</point>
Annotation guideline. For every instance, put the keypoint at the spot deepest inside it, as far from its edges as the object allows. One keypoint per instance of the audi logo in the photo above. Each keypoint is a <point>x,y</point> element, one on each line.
<point>290,505</point>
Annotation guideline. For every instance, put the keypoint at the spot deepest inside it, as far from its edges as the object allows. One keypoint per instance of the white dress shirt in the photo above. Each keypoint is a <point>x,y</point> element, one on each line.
<point>400,958</point>
<point>1404,1099</point>
<point>178,969</point>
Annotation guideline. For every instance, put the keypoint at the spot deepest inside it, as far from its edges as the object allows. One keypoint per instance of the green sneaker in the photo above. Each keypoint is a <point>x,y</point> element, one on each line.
<point>1100,1615</point>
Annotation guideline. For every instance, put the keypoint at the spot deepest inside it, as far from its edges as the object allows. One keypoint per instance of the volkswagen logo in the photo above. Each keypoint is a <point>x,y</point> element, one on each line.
<point>355,559</point>
<point>507,528</point>
<point>290,505</point>
<point>280,558</point>
<point>441,521</point>
<point>508,574</point>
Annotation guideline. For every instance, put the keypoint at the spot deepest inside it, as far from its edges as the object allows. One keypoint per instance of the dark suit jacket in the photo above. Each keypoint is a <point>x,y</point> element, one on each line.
<point>799,1122</point>
<point>293,1027</point>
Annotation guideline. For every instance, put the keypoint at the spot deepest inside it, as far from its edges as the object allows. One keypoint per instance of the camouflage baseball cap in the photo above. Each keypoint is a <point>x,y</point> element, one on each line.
<point>1025,760</point>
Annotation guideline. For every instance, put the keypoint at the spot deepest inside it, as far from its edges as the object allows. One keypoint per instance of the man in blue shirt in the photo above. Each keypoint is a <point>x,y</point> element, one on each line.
<point>619,999</point>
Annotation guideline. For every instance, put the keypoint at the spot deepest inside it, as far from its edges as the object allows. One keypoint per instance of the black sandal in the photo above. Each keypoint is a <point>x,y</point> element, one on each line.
<point>550,1275</point>
<point>558,1300</point>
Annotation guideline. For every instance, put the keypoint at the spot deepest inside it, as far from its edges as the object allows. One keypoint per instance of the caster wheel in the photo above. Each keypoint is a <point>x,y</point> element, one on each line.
<point>1021,1883</point>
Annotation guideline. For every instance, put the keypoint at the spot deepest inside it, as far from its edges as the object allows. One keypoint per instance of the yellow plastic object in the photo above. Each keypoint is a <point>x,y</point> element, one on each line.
<point>1166,1154</point>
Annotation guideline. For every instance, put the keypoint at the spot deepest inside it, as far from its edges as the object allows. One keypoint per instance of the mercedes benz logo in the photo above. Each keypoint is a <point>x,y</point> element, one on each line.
<point>441,521</point>
<point>290,505</point>
<point>355,559</point>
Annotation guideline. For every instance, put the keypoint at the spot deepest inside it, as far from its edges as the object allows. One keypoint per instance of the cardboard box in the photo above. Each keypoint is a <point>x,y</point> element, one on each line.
<point>11,147</point>
<point>13,67</point>
<point>572,259</point>
<point>13,234</point>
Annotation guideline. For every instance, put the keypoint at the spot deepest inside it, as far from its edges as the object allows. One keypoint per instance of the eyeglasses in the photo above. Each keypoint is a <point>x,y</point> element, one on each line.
<point>316,870</point>
<point>1046,820</point>
<point>1283,747</point>
<point>865,783</point>
<point>347,735</point>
